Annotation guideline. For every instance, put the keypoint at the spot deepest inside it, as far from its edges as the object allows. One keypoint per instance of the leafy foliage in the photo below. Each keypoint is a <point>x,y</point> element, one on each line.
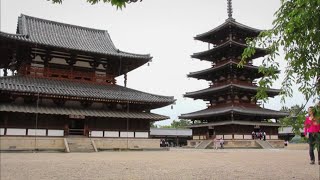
<point>152,125</point>
<point>295,119</point>
<point>296,32</point>
<point>118,3</point>
<point>175,124</point>
<point>180,123</point>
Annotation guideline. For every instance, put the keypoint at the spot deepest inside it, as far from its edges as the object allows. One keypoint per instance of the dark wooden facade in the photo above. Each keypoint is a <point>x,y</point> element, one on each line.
<point>232,110</point>
<point>61,77</point>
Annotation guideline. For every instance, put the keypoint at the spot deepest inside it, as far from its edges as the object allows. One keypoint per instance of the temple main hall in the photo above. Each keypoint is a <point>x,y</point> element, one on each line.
<point>59,80</point>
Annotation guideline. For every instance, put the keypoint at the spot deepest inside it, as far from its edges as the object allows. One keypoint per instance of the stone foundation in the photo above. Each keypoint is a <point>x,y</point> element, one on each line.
<point>31,143</point>
<point>116,143</point>
<point>277,143</point>
<point>57,143</point>
<point>240,143</point>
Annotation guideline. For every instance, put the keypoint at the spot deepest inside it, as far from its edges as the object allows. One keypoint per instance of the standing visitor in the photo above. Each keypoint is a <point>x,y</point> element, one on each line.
<point>253,134</point>
<point>215,143</point>
<point>264,136</point>
<point>312,132</point>
<point>221,143</point>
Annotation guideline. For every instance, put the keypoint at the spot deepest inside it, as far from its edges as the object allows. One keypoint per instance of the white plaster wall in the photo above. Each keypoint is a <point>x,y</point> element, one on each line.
<point>141,134</point>
<point>36,132</point>
<point>111,133</point>
<point>100,67</point>
<point>247,136</point>
<point>82,64</point>
<point>1,131</point>
<point>227,136</point>
<point>55,132</point>
<point>96,134</point>
<point>126,134</point>
<point>238,136</point>
<point>17,132</point>
<point>58,61</point>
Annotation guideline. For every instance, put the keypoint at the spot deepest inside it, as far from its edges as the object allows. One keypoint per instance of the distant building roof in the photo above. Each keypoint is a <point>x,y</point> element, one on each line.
<point>235,122</point>
<point>170,132</point>
<point>287,130</point>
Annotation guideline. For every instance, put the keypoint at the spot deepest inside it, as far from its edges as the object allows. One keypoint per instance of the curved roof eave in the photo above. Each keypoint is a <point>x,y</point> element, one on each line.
<point>224,87</point>
<point>226,44</point>
<point>212,69</point>
<point>25,39</point>
<point>227,23</point>
<point>253,111</point>
<point>69,88</point>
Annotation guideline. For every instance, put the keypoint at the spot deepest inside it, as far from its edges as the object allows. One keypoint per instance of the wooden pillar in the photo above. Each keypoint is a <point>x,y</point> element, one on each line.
<point>86,127</point>
<point>5,72</point>
<point>6,117</point>
<point>66,126</point>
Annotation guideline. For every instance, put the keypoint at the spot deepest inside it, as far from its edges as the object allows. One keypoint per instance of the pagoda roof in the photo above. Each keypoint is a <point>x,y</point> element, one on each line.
<point>211,90</point>
<point>224,30</point>
<point>80,112</point>
<point>61,35</point>
<point>80,90</point>
<point>203,74</point>
<point>228,48</point>
<point>236,122</point>
<point>235,109</point>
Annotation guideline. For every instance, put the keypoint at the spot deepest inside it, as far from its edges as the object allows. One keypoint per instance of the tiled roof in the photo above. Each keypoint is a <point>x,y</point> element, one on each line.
<point>235,122</point>
<point>227,48</point>
<point>70,88</point>
<point>80,112</point>
<point>170,132</point>
<point>288,130</point>
<point>229,23</point>
<point>212,90</point>
<point>252,111</point>
<point>204,73</point>
<point>61,35</point>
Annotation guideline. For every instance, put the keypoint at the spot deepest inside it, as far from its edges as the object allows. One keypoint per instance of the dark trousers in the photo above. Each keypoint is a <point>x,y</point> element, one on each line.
<point>314,143</point>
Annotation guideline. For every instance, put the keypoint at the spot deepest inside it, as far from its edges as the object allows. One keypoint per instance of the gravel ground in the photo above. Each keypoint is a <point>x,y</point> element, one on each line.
<point>173,164</point>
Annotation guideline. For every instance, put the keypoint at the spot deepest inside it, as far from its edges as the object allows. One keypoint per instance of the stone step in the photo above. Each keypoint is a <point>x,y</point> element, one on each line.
<point>264,144</point>
<point>77,144</point>
<point>204,144</point>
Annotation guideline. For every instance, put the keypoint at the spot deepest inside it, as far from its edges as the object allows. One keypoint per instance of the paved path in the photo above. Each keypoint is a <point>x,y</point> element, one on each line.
<point>174,164</point>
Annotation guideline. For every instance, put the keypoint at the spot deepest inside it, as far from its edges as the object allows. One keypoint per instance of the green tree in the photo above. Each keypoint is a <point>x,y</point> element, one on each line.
<point>180,123</point>
<point>119,3</point>
<point>295,31</point>
<point>295,119</point>
<point>153,125</point>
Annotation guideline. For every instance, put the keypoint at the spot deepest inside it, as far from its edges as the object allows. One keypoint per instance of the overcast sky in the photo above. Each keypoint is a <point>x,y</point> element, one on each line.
<point>163,28</point>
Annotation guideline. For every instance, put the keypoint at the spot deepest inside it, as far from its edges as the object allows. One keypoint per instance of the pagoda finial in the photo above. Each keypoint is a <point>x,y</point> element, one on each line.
<point>230,9</point>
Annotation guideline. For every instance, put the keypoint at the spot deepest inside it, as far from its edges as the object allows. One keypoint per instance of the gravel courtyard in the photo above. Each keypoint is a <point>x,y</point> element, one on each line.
<point>173,164</point>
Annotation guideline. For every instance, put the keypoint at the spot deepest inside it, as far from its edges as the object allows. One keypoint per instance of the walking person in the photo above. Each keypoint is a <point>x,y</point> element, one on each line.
<point>264,135</point>
<point>312,132</point>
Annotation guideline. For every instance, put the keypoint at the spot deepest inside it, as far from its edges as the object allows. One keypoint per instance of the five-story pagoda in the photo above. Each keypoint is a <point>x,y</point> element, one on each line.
<point>233,112</point>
